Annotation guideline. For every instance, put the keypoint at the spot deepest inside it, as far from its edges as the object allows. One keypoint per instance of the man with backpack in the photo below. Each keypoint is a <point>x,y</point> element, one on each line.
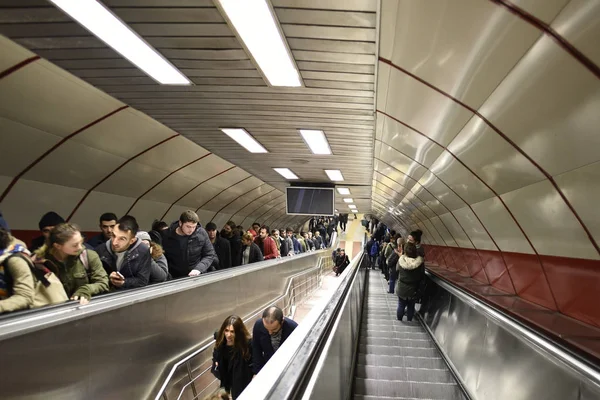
<point>16,279</point>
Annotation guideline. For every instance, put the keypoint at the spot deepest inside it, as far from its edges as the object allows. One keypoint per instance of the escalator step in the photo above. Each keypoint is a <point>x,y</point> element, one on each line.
<point>376,333</point>
<point>419,390</point>
<point>404,374</point>
<point>398,361</point>
<point>398,351</point>
<point>397,342</point>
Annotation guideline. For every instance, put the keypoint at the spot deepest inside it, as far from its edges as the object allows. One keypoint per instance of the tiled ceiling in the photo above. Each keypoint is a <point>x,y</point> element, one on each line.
<point>334,44</point>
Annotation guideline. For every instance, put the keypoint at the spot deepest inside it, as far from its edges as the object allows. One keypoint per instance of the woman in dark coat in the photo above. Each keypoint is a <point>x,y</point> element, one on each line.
<point>250,251</point>
<point>411,269</point>
<point>232,356</point>
<point>341,262</point>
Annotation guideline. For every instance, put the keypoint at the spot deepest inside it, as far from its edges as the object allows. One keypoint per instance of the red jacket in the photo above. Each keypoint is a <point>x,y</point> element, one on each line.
<point>269,247</point>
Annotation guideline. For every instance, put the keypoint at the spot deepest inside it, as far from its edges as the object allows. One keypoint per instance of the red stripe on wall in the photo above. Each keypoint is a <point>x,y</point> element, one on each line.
<point>18,66</point>
<point>56,146</point>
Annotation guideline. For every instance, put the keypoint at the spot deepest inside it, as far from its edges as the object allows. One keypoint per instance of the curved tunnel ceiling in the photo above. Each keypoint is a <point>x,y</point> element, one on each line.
<point>473,120</point>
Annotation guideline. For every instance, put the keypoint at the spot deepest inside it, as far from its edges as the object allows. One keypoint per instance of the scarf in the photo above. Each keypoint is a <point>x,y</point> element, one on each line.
<point>15,248</point>
<point>276,339</point>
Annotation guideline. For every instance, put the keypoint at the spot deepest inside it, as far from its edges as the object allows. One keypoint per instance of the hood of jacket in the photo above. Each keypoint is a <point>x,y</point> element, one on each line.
<point>410,263</point>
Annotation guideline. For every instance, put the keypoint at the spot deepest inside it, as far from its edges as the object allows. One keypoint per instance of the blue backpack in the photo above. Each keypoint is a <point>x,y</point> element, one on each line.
<point>374,249</point>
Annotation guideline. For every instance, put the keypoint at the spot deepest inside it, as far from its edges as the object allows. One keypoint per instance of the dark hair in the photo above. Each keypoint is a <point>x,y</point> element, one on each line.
<point>108,217</point>
<point>289,230</point>
<point>273,231</point>
<point>273,314</point>
<point>242,336</point>
<point>240,228</point>
<point>128,224</point>
<point>4,239</point>
<point>61,234</point>
<point>232,225</point>
<point>265,227</point>
<point>211,226</point>
<point>255,223</point>
<point>410,250</point>
<point>159,225</point>
<point>189,216</point>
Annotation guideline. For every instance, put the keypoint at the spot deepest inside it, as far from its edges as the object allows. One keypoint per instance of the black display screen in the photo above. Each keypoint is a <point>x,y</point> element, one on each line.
<point>310,201</point>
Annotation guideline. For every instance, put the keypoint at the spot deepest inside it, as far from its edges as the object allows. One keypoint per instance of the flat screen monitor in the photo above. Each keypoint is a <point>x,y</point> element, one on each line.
<point>310,201</point>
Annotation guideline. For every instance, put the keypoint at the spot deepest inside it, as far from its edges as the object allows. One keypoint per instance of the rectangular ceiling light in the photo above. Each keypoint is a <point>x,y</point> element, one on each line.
<point>244,139</point>
<point>334,174</point>
<point>352,206</point>
<point>101,22</point>
<point>286,173</point>
<point>255,24</point>
<point>316,140</point>
<point>348,200</point>
<point>343,191</point>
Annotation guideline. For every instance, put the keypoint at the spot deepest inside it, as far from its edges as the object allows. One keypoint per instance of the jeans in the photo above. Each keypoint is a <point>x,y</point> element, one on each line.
<point>392,285</point>
<point>409,304</point>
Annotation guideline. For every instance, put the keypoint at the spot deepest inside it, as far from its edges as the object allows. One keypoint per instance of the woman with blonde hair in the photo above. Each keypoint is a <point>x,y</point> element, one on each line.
<point>232,356</point>
<point>80,270</point>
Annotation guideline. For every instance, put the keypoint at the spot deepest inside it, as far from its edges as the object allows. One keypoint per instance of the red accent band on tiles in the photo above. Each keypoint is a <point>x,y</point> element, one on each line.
<point>56,146</point>
<point>548,30</point>
<point>85,196</point>
<point>194,188</point>
<point>164,179</point>
<point>256,199</point>
<point>499,132</point>
<point>228,204</point>
<point>18,66</point>
<point>222,191</point>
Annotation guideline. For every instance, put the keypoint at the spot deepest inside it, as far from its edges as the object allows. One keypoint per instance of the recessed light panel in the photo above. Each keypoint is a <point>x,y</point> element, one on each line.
<point>316,141</point>
<point>97,19</point>
<point>255,24</point>
<point>335,175</point>
<point>348,200</point>
<point>343,191</point>
<point>245,140</point>
<point>286,173</point>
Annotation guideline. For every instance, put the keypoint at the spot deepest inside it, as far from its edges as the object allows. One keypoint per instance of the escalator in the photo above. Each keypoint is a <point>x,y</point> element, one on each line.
<point>397,360</point>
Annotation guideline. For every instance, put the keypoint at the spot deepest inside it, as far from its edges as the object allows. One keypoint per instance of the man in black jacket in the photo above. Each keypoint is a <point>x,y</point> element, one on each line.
<point>268,335</point>
<point>341,262</point>
<point>187,247</point>
<point>126,259</point>
<point>221,246</point>
<point>234,235</point>
<point>107,224</point>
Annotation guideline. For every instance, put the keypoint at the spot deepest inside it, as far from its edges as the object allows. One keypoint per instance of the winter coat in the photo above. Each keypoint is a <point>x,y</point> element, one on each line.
<point>20,295</point>
<point>159,270</point>
<point>235,244</point>
<point>341,262</point>
<point>223,251</point>
<point>262,349</point>
<point>37,243</point>
<point>289,243</point>
<point>410,273</point>
<point>199,254</point>
<point>238,373</point>
<point>97,241</point>
<point>269,248</point>
<point>76,279</point>
<point>136,265</point>
<point>255,253</point>
<point>392,263</point>
<point>319,242</point>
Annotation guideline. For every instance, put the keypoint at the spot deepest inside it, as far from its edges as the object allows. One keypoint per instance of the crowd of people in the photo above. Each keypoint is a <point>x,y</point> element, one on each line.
<point>402,262</point>
<point>61,264</point>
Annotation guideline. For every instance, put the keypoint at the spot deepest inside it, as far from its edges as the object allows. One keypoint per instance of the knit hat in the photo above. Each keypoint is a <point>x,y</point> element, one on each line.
<point>50,219</point>
<point>3,223</point>
<point>143,236</point>
<point>417,235</point>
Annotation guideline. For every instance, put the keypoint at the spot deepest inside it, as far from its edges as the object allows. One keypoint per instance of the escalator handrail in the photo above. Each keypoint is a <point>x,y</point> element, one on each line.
<point>305,356</point>
<point>536,338</point>
<point>72,311</point>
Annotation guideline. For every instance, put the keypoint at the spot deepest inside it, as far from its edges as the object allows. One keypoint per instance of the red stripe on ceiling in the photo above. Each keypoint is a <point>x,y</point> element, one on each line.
<point>222,191</point>
<point>469,205</point>
<point>85,196</point>
<point>194,188</point>
<point>548,30</point>
<point>164,179</point>
<point>56,146</point>
<point>256,199</point>
<point>499,132</point>
<point>243,194</point>
<point>18,66</point>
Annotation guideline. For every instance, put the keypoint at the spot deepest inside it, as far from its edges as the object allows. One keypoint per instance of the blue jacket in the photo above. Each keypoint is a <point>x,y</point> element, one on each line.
<point>297,246</point>
<point>262,350</point>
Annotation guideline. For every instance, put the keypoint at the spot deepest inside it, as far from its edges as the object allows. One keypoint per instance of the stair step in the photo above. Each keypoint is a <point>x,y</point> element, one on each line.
<point>411,334</point>
<point>398,351</point>
<point>396,342</point>
<point>419,390</point>
<point>404,374</point>
<point>400,361</point>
